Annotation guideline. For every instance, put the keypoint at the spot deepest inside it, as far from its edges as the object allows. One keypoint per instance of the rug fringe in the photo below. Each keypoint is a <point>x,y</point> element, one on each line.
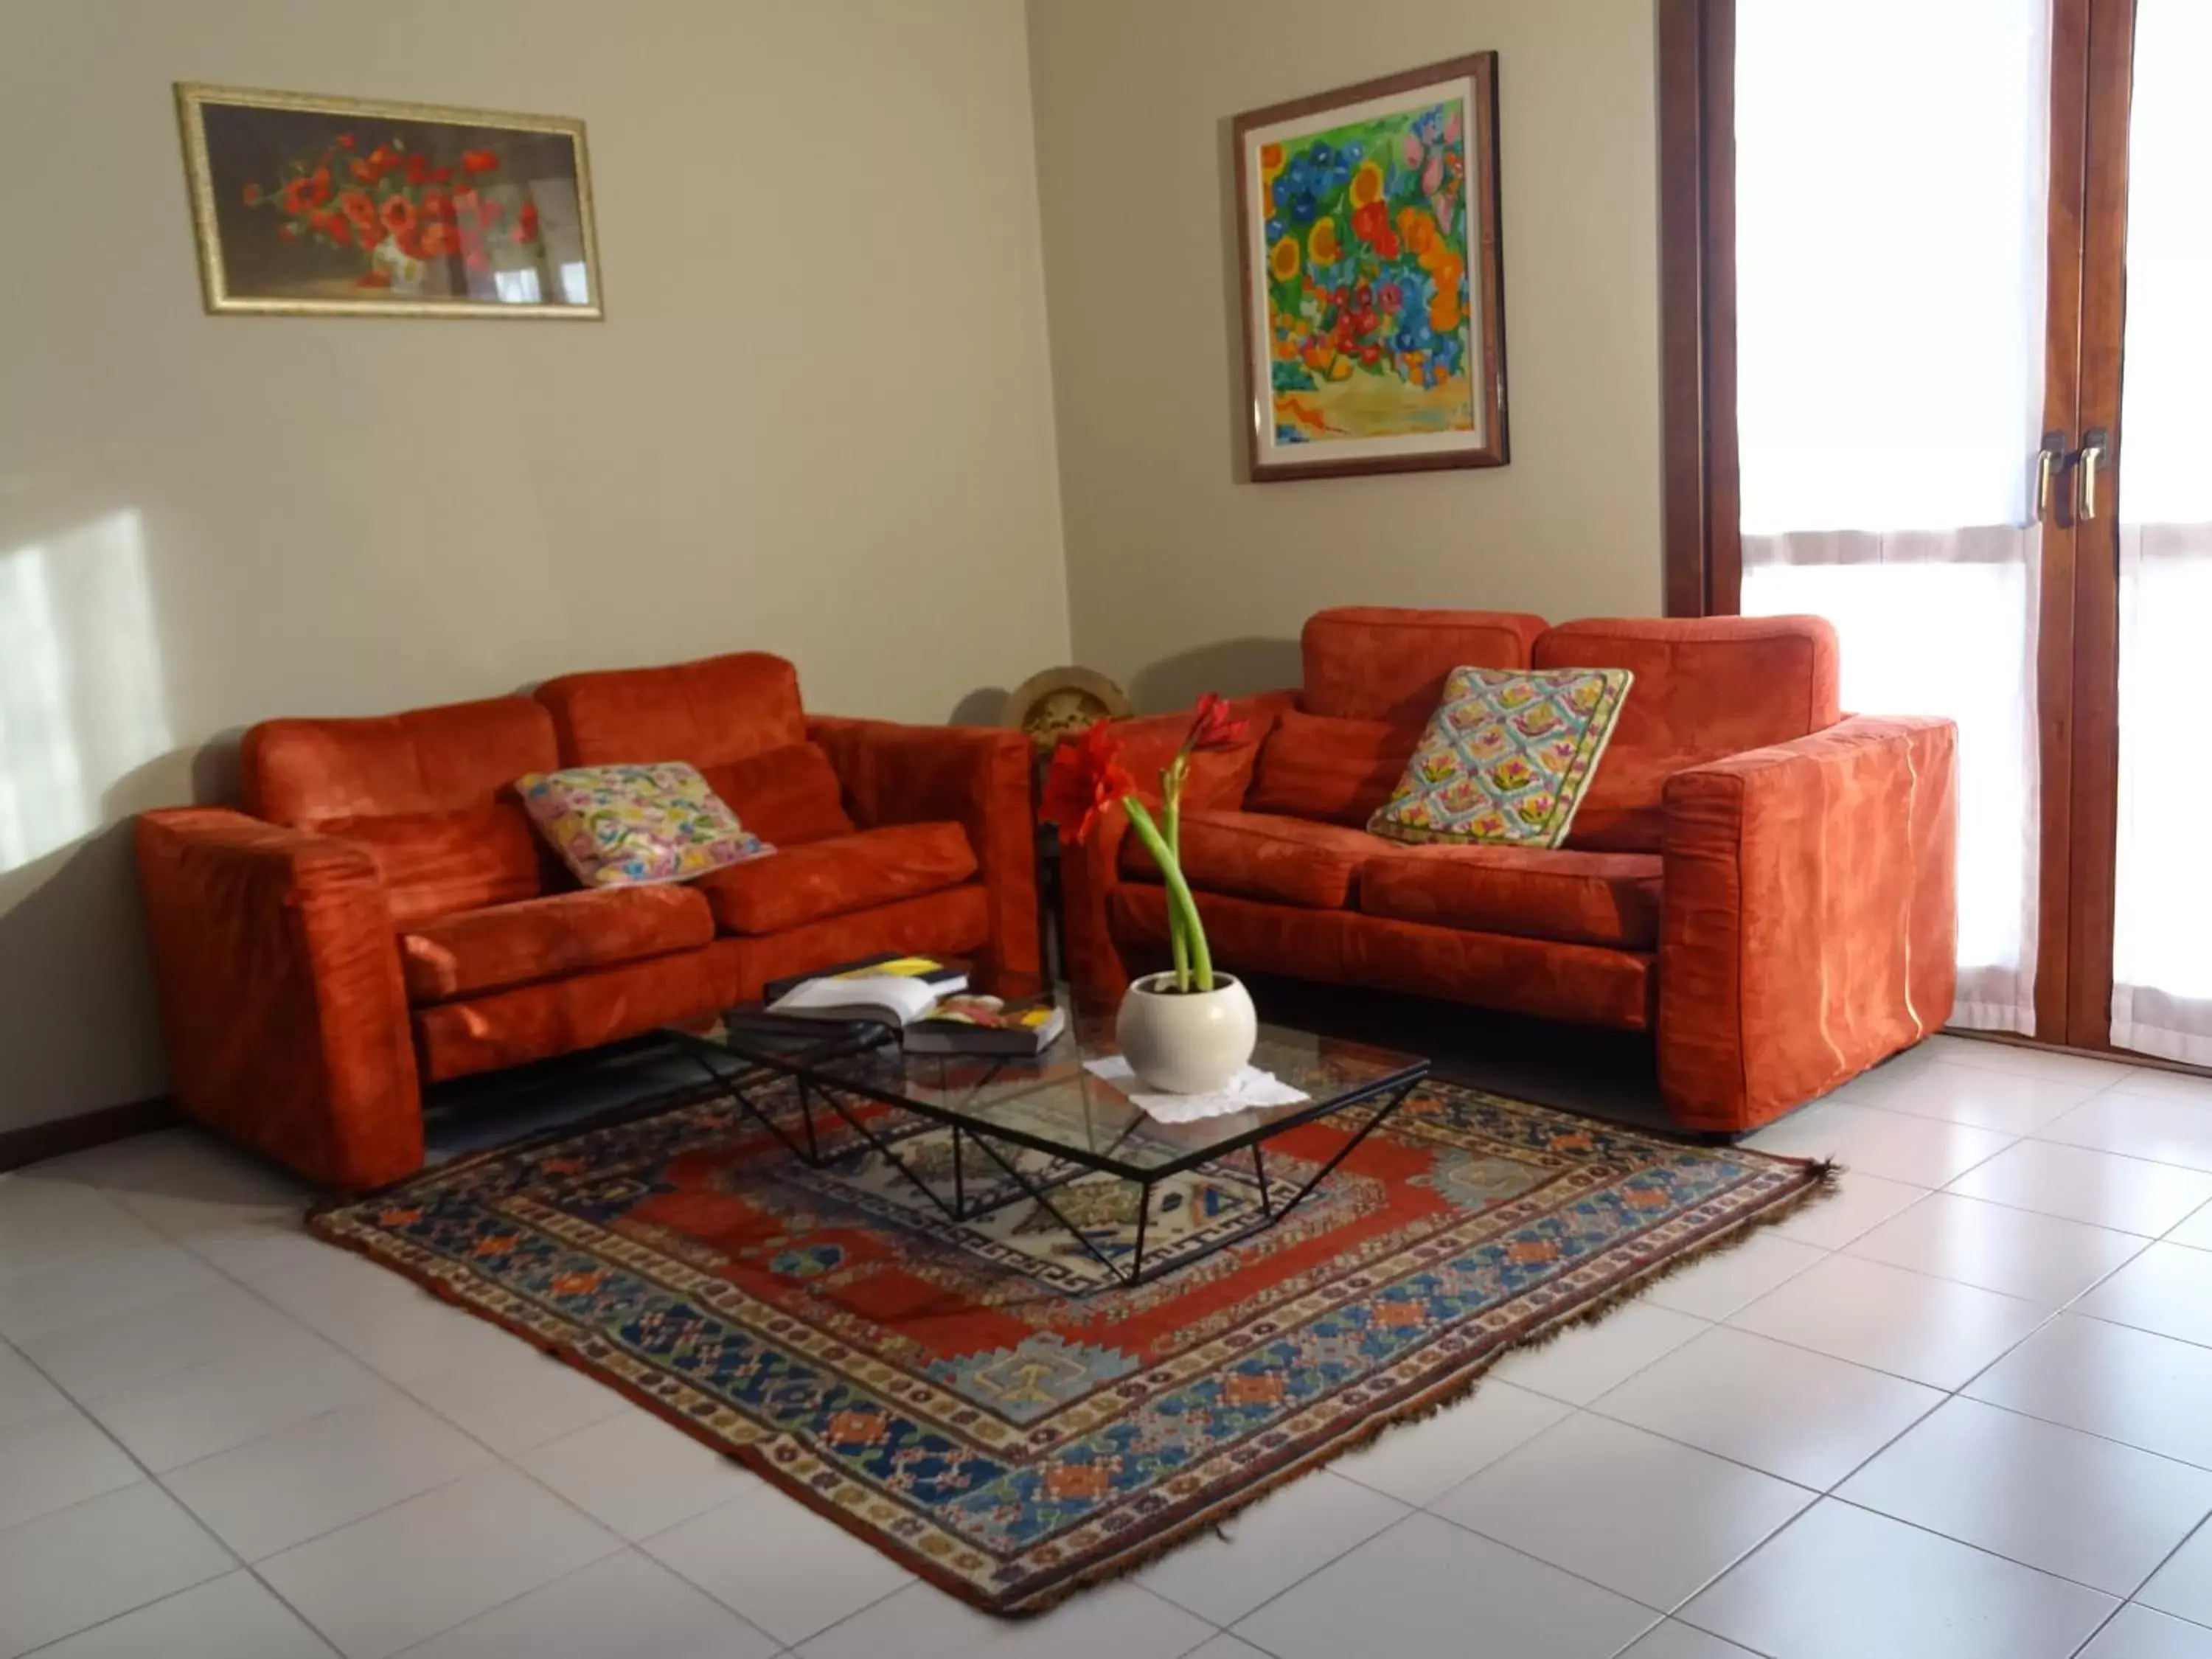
<point>1820,1180</point>
<point>1825,1173</point>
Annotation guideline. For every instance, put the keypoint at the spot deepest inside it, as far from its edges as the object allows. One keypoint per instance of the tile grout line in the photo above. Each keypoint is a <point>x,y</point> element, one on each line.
<point>155,1481</point>
<point>1574,1408</point>
<point>499,1461</point>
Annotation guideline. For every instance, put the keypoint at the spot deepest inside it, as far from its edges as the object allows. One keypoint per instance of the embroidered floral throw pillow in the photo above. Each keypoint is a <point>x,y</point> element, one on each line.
<point>616,826</point>
<point>1508,758</point>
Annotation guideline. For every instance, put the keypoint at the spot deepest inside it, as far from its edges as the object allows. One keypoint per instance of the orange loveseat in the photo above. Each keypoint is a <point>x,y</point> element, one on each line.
<point>1763,883</point>
<point>383,913</point>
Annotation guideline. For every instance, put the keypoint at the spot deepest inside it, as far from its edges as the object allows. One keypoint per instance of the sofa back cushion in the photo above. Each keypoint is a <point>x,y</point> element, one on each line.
<point>1340,771</point>
<point>1713,684</point>
<point>1623,811</point>
<point>428,793</point>
<point>1381,663</point>
<point>788,796</point>
<point>708,712</point>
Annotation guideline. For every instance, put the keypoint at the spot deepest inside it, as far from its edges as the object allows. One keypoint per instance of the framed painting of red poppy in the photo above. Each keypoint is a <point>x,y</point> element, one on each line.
<point>1373,298</point>
<point>310,204</point>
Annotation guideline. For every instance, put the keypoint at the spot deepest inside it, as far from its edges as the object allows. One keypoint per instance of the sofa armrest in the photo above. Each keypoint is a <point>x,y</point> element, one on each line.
<point>1090,872</point>
<point>1810,925</point>
<point>978,777</point>
<point>278,976</point>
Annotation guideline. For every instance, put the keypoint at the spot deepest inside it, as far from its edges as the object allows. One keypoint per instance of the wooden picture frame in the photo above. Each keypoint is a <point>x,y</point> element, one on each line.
<point>1370,282</point>
<point>305,205</point>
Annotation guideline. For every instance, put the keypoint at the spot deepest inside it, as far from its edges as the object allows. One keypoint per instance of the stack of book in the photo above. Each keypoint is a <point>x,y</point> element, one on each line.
<point>927,1001</point>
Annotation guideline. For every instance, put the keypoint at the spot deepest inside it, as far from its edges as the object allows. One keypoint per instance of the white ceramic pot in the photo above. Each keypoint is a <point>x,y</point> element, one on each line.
<point>1191,1042</point>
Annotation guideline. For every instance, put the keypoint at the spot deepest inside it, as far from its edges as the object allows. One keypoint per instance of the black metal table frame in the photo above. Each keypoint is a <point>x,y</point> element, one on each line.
<point>1390,1091</point>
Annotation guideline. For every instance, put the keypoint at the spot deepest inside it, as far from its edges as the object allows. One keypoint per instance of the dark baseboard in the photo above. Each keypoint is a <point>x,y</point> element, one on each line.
<point>60,1136</point>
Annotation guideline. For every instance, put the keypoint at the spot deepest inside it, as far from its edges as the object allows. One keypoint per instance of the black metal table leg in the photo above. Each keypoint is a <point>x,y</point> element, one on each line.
<point>959,1184</point>
<point>1144,1215</point>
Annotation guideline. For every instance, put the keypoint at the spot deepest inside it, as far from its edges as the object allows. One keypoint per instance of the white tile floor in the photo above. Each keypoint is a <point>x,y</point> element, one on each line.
<point>1964,1408</point>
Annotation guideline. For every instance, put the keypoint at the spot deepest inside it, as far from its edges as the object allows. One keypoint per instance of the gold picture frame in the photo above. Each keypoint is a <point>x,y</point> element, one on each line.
<point>305,205</point>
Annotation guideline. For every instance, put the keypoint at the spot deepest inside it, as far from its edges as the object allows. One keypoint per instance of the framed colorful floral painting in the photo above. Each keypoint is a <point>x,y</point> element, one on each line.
<point>1375,330</point>
<point>306,204</point>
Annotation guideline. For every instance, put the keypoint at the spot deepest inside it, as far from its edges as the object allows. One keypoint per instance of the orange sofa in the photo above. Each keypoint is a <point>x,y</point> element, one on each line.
<point>1763,883</point>
<point>383,913</point>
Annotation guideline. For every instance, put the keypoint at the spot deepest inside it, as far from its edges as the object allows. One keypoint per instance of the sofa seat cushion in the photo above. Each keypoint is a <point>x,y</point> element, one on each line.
<point>843,873</point>
<point>1579,898</point>
<point>473,952</point>
<point>1262,855</point>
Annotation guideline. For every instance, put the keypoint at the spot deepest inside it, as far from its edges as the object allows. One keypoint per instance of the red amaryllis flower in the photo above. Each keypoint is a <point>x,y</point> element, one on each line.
<point>1215,727</point>
<point>1086,777</point>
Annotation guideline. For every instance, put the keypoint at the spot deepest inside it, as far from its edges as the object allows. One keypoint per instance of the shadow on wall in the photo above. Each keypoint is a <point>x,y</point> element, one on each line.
<point>1236,668</point>
<point>981,707</point>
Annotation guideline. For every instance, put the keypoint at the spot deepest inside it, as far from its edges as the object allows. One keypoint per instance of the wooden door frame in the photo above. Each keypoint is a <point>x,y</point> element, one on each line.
<point>1703,545</point>
<point>2077,621</point>
<point>2093,691</point>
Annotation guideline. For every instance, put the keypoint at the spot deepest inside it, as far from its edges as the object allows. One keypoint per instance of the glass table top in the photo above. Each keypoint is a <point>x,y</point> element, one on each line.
<point>1055,1103</point>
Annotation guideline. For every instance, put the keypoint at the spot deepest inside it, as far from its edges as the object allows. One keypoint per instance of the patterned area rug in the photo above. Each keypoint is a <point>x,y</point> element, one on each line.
<point>979,1402</point>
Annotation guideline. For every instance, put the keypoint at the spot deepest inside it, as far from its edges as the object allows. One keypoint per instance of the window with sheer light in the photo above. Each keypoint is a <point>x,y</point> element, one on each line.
<point>1890,267</point>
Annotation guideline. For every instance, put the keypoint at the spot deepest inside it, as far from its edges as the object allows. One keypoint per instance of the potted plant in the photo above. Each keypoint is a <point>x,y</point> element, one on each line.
<point>1191,1030</point>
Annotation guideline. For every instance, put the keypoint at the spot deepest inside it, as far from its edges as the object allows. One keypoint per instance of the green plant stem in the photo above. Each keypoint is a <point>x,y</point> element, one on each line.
<point>1172,833</point>
<point>1180,902</point>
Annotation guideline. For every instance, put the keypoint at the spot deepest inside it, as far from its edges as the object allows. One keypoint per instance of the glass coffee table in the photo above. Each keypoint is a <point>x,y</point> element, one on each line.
<point>1055,1105</point>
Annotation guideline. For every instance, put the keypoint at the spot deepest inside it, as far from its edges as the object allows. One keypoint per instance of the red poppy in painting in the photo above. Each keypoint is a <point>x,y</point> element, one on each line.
<point>373,279</point>
<point>438,241</point>
<point>1086,777</point>
<point>252,194</point>
<point>358,208</point>
<point>308,190</point>
<point>525,224</point>
<point>409,242</point>
<point>345,141</point>
<point>436,204</point>
<point>478,161</point>
<point>398,215</point>
<point>419,170</point>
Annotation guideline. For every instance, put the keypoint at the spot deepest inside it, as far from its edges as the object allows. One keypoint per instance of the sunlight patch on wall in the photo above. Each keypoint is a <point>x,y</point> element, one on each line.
<point>80,702</point>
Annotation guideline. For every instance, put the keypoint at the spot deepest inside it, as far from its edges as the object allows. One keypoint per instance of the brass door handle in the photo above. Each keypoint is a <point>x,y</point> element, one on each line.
<point>2095,448</point>
<point>2048,460</point>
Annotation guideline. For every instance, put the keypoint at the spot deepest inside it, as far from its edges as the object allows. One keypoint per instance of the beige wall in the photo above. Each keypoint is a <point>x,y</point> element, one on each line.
<point>817,419</point>
<point>1179,575</point>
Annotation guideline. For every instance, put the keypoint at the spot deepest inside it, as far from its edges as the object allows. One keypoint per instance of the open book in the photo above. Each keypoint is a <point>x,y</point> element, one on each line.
<point>986,1025</point>
<point>895,990</point>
